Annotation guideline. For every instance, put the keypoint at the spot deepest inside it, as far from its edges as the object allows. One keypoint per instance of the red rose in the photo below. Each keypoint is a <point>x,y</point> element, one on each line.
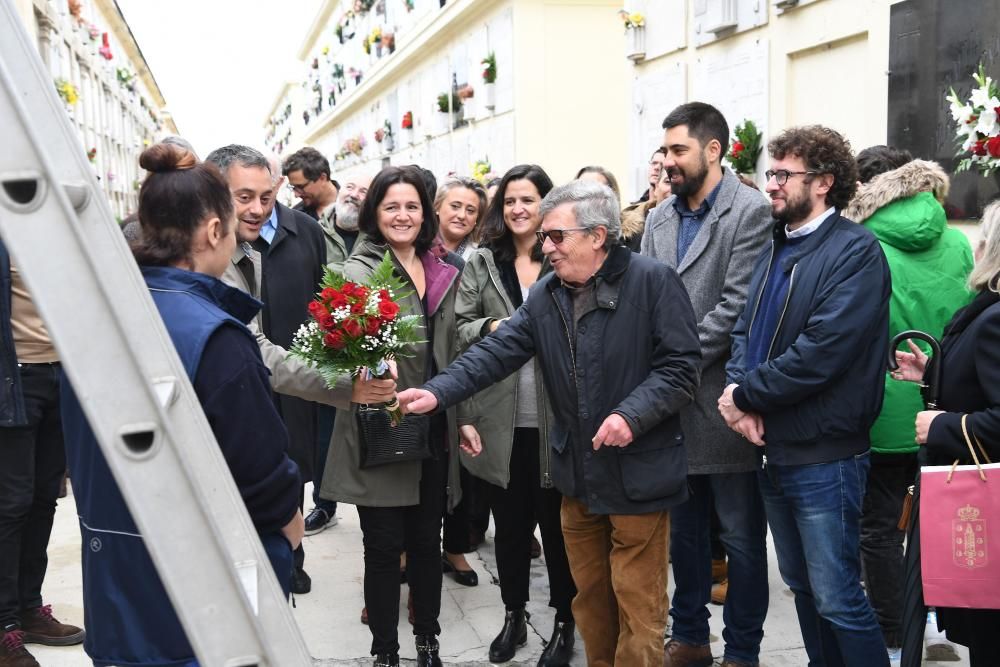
<point>979,148</point>
<point>383,295</point>
<point>388,310</point>
<point>372,326</point>
<point>737,148</point>
<point>325,321</point>
<point>338,300</point>
<point>334,339</point>
<point>352,328</point>
<point>993,146</point>
<point>358,307</point>
<point>328,293</point>
<point>316,308</point>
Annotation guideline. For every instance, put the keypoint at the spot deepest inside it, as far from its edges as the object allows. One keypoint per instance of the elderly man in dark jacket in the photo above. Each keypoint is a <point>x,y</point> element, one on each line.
<point>618,348</point>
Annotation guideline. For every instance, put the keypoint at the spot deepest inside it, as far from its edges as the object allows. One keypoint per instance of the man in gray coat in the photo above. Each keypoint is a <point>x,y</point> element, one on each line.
<point>711,231</point>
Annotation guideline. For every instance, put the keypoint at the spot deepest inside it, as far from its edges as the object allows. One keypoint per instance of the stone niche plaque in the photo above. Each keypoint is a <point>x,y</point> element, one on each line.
<point>935,45</point>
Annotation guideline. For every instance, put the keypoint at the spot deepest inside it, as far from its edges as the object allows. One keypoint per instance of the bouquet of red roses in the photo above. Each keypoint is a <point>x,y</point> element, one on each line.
<point>355,326</point>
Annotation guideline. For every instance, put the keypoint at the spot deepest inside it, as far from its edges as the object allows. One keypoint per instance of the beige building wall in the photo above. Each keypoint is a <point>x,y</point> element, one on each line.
<point>120,108</point>
<point>560,97</point>
<point>780,64</point>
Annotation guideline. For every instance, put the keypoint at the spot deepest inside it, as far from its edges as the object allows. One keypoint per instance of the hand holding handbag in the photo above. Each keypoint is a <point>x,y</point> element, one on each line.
<point>959,527</point>
<point>382,443</point>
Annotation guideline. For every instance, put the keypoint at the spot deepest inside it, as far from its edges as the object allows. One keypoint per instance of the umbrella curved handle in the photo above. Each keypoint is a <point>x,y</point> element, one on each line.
<point>932,378</point>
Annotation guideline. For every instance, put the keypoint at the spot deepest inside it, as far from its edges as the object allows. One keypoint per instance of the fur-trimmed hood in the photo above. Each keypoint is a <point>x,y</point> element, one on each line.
<point>634,219</point>
<point>906,181</point>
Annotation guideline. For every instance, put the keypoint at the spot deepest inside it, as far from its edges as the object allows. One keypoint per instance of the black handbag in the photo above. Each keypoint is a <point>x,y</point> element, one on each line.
<point>382,443</point>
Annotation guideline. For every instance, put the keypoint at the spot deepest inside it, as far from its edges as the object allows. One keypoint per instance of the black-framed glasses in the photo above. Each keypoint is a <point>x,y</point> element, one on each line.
<point>296,189</point>
<point>557,235</point>
<point>781,176</point>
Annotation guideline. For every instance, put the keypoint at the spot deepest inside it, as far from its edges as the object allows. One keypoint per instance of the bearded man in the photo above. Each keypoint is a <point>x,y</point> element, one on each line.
<point>710,232</point>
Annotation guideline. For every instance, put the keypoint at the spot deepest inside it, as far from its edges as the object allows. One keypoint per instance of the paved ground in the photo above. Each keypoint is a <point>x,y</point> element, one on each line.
<point>329,616</point>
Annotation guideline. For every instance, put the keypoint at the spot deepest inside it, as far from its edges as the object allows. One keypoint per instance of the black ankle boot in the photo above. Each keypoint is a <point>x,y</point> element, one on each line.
<point>560,648</point>
<point>513,634</point>
<point>427,651</point>
<point>386,660</point>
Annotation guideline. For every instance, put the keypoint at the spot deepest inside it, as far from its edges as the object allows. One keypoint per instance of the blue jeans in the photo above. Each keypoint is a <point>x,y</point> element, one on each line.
<point>815,516</point>
<point>744,535</point>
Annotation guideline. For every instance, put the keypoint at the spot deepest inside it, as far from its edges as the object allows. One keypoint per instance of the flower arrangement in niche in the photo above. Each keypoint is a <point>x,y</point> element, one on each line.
<point>481,170</point>
<point>977,131</point>
<point>357,326</point>
<point>466,92</point>
<point>407,123</point>
<point>92,155</point>
<point>442,102</point>
<point>105,49</point>
<point>489,64</point>
<point>633,20</point>
<point>745,148</point>
<point>67,91</point>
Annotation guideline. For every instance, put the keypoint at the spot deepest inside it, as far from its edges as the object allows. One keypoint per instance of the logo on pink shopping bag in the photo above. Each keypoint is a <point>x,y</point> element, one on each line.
<point>968,539</point>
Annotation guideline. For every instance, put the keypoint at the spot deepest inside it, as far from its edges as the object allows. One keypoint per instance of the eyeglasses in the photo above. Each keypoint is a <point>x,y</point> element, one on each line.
<point>557,235</point>
<point>781,176</point>
<point>301,187</point>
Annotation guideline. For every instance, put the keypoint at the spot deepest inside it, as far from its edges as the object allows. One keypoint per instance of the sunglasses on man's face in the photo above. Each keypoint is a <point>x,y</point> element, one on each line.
<point>557,235</point>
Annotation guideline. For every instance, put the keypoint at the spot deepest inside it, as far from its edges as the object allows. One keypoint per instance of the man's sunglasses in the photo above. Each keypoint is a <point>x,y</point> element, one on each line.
<point>557,235</point>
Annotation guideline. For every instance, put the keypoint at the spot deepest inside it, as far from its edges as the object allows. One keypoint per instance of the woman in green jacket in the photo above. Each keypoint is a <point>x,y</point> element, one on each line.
<point>899,200</point>
<point>511,417</point>
<point>400,504</point>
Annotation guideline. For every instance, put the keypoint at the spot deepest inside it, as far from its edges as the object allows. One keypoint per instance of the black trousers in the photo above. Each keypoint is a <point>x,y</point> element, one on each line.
<point>32,463</point>
<point>882,541</point>
<point>460,523</point>
<point>516,509</point>
<point>415,529</point>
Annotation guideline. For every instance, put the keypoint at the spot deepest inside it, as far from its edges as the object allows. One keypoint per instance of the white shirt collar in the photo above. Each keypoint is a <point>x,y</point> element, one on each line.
<point>811,226</point>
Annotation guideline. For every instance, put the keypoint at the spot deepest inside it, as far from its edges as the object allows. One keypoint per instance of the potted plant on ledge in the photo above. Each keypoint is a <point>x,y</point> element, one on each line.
<point>444,114</point>
<point>635,35</point>
<point>407,127</point>
<point>490,81</point>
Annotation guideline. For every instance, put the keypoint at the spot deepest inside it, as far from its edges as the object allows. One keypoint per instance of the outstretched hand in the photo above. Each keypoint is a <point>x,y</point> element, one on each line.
<point>417,401</point>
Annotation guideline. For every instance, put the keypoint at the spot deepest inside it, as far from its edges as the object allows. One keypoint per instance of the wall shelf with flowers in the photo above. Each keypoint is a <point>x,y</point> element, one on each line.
<point>745,148</point>
<point>635,35</point>
<point>489,64</point>
<point>406,125</point>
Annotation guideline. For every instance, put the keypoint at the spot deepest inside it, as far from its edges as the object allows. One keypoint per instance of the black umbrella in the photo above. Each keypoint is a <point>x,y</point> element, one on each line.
<point>914,616</point>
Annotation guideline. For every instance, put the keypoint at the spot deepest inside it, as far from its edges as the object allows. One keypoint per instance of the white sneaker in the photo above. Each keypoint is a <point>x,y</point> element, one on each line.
<point>936,645</point>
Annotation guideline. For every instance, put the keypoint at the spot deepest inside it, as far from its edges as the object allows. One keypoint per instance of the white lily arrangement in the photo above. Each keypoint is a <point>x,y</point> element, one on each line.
<point>978,129</point>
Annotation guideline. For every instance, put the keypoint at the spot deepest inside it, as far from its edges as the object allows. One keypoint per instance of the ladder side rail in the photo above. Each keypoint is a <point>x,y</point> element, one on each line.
<point>115,349</point>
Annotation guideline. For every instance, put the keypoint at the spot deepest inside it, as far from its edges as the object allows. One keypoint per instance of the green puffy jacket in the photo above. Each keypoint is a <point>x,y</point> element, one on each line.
<point>929,263</point>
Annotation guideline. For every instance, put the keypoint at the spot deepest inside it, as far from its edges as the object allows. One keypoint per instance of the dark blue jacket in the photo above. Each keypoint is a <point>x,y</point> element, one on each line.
<point>636,355</point>
<point>128,616</point>
<point>820,389</point>
<point>11,399</point>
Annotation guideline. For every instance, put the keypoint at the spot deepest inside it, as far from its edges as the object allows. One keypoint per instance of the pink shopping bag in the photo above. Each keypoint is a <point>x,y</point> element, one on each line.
<point>960,535</point>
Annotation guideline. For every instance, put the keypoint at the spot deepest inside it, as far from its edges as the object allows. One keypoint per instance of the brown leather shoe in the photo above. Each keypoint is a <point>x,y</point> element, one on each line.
<point>719,592</point>
<point>12,651</point>
<point>679,654</point>
<point>720,570</point>
<point>41,627</point>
